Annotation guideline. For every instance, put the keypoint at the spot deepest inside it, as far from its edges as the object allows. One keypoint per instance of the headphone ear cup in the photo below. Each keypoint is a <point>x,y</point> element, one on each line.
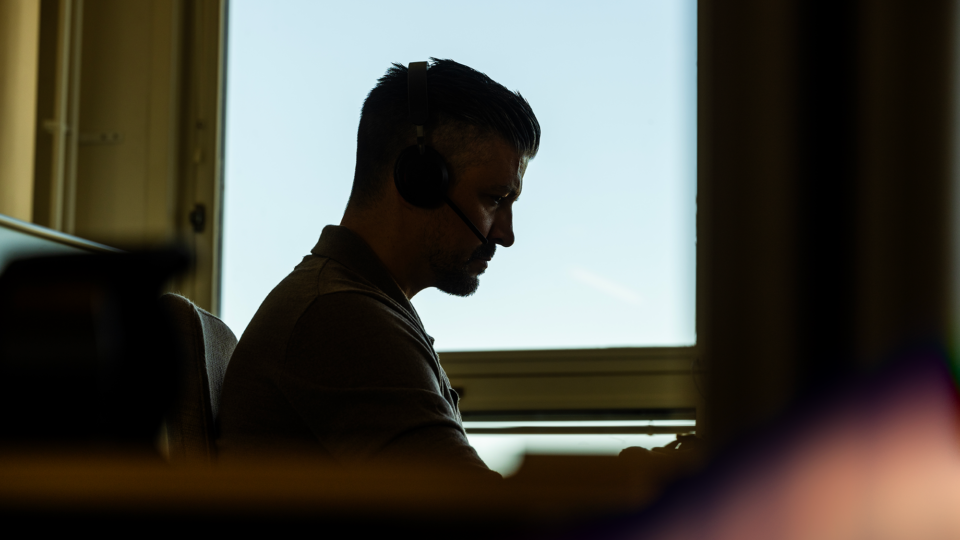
<point>421,178</point>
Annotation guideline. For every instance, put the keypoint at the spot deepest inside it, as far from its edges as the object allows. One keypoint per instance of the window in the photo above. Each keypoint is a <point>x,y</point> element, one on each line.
<point>593,308</point>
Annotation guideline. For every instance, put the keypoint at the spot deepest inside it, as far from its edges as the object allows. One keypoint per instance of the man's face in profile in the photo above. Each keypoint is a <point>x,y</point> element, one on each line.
<point>485,188</point>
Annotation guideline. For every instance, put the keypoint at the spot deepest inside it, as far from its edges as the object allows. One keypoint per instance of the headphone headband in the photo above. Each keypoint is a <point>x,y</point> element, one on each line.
<point>420,173</point>
<point>417,92</point>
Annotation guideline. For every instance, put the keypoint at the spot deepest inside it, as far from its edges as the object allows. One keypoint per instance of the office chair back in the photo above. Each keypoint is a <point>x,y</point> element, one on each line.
<point>207,344</point>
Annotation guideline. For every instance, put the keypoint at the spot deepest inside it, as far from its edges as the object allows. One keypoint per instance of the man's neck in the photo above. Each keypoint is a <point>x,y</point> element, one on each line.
<point>392,246</point>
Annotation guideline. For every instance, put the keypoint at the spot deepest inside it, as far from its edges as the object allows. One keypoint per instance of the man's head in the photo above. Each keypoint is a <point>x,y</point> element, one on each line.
<point>485,133</point>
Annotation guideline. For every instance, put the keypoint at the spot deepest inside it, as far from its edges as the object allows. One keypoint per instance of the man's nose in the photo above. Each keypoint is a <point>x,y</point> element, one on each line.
<point>502,230</point>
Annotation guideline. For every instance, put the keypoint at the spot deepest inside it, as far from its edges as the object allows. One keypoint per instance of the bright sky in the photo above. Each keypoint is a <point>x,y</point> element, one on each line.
<point>605,248</point>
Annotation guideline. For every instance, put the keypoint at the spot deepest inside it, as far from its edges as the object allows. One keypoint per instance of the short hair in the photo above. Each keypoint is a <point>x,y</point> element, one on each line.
<point>459,97</point>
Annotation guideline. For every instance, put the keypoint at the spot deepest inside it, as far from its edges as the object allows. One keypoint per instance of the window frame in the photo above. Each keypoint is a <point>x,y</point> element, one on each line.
<point>636,382</point>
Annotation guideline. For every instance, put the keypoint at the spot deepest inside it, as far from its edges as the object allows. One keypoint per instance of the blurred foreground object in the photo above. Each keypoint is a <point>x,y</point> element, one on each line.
<point>879,460</point>
<point>86,355</point>
<point>286,492</point>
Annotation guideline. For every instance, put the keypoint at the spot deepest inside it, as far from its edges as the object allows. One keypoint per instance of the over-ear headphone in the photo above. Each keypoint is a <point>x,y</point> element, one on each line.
<point>420,173</point>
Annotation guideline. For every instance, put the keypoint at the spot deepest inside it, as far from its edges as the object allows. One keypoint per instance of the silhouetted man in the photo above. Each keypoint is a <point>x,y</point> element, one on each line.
<point>336,361</point>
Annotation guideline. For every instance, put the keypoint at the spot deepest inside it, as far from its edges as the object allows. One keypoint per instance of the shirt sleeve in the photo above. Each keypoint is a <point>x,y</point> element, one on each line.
<point>366,384</point>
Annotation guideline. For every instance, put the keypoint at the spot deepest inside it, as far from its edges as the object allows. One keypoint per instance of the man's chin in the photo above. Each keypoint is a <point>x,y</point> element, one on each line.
<point>458,278</point>
<point>458,285</point>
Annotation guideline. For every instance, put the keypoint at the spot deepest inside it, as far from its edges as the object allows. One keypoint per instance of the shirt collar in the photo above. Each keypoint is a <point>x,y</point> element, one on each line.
<point>349,249</point>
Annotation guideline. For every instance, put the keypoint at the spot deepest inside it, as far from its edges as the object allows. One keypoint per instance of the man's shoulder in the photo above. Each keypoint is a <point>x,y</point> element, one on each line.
<point>338,278</point>
<point>341,312</point>
<point>314,277</point>
<point>328,301</point>
<point>349,339</point>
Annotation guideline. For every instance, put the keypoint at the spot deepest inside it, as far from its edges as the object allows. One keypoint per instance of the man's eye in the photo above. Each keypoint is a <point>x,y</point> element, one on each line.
<point>496,199</point>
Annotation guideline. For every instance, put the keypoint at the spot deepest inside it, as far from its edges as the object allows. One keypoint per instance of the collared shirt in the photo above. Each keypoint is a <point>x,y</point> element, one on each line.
<point>336,362</point>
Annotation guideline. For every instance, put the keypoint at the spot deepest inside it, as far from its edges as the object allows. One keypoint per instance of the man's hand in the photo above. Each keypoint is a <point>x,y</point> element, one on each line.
<point>663,465</point>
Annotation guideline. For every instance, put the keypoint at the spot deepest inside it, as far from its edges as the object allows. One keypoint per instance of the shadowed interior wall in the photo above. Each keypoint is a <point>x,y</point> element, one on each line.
<point>19,29</point>
<point>830,128</point>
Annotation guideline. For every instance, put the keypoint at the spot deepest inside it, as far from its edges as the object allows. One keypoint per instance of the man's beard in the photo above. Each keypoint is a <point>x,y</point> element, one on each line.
<point>453,276</point>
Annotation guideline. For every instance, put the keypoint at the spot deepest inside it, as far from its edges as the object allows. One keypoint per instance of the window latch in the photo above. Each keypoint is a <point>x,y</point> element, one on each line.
<point>198,218</point>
